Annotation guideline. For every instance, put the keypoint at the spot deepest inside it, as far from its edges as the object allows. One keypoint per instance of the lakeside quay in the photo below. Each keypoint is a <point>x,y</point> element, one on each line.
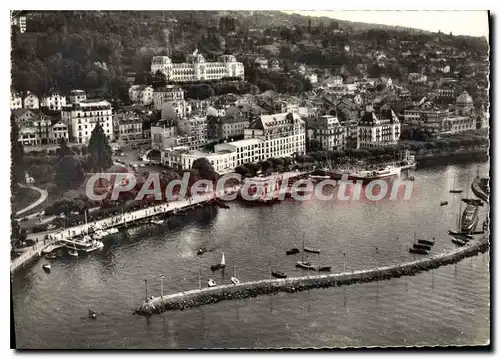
<point>478,191</point>
<point>204,296</point>
<point>117,221</point>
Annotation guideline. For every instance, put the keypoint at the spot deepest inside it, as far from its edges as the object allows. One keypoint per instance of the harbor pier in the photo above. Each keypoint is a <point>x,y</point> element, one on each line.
<point>199,297</point>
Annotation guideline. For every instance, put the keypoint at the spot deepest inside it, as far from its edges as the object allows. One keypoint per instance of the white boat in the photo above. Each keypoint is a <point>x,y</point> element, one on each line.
<point>234,280</point>
<point>211,283</point>
<point>223,260</point>
<point>98,234</point>
<point>95,246</point>
<point>73,252</point>
<point>46,267</point>
<point>157,221</point>
<point>113,230</point>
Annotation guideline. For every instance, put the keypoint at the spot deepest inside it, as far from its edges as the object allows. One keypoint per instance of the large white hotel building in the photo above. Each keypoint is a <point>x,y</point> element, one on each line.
<point>277,135</point>
<point>82,117</point>
<point>197,69</point>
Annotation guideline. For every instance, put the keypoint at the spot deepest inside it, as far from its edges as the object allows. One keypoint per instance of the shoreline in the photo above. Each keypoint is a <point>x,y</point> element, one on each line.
<point>205,296</point>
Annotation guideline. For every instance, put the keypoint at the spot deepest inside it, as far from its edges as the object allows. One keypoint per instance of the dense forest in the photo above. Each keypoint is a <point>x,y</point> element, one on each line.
<point>96,50</point>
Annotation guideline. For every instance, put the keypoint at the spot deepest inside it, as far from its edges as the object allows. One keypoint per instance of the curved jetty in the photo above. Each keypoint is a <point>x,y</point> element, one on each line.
<point>199,297</point>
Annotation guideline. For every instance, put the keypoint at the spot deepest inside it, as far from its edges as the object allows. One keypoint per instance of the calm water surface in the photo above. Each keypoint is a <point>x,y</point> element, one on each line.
<point>448,306</point>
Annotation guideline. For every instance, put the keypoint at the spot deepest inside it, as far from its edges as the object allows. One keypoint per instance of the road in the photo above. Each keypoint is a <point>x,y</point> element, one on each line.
<point>43,197</point>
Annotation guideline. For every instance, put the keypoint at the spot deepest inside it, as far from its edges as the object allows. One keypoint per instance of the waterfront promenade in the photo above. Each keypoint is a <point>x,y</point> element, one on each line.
<point>44,239</point>
<point>115,221</point>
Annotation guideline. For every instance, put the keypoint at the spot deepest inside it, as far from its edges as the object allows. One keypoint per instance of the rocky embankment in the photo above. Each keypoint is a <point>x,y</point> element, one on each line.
<point>199,297</point>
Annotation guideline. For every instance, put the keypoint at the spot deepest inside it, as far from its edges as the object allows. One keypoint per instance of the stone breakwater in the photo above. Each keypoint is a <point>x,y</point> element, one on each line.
<point>199,297</point>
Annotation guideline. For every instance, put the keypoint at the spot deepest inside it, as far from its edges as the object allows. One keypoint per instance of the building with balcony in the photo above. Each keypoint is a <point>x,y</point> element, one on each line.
<point>458,124</point>
<point>77,96</point>
<point>141,94</point>
<point>127,126</point>
<point>83,116</point>
<point>53,102</point>
<point>41,131</point>
<point>378,129</point>
<point>169,93</point>
<point>31,101</point>
<point>328,131</point>
<point>15,101</point>
<point>197,69</point>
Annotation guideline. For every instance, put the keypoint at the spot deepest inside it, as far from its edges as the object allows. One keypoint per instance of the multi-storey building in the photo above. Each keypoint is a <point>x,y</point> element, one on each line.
<point>127,126</point>
<point>167,93</point>
<point>429,119</point>
<point>141,94</point>
<point>378,129</point>
<point>15,101</point>
<point>31,101</point>
<point>233,123</point>
<point>276,135</point>
<point>54,101</point>
<point>197,69</point>
<point>24,115</point>
<point>222,161</point>
<point>329,133</point>
<point>160,132</point>
<point>458,124</point>
<point>82,117</point>
<point>41,130</point>
<point>77,96</point>
<point>284,134</point>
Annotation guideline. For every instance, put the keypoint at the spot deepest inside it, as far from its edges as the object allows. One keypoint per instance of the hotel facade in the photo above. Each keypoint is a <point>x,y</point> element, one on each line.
<point>197,69</point>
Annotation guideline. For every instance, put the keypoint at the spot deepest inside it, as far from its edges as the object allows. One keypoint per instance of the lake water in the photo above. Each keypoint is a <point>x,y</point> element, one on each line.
<point>447,306</point>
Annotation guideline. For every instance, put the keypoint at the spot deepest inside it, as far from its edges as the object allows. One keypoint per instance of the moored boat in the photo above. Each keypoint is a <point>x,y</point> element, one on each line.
<point>312,250</point>
<point>92,314</point>
<point>292,251</point>
<point>458,241</point>
<point>418,251</point>
<point>201,251</point>
<point>220,265</point>
<point>211,283</point>
<point>157,221</point>
<point>51,256</point>
<point>278,274</point>
<point>470,218</point>
<point>305,265</point>
<point>422,246</point>
<point>324,269</point>
<point>425,241</point>
<point>46,267</point>
<point>444,203</point>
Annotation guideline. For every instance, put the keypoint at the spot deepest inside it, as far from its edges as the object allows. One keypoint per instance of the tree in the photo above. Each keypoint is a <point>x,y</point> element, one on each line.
<point>99,151</point>
<point>69,170</point>
<point>205,169</point>
<point>17,164</point>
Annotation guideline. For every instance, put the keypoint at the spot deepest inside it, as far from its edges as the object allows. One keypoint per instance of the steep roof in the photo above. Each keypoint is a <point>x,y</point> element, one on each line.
<point>268,122</point>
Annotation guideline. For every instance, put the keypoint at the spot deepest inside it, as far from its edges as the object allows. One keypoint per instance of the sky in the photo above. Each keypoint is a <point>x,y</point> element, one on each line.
<point>460,22</point>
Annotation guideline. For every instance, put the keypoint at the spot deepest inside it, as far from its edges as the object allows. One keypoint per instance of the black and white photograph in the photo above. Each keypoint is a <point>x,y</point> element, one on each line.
<point>249,179</point>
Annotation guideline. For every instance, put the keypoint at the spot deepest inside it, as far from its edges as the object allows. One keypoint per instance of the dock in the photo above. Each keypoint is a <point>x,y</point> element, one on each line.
<point>199,297</point>
<point>46,239</point>
<point>478,191</point>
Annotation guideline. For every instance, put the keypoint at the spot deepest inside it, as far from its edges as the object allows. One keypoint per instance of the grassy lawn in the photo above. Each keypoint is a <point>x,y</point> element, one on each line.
<point>23,198</point>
